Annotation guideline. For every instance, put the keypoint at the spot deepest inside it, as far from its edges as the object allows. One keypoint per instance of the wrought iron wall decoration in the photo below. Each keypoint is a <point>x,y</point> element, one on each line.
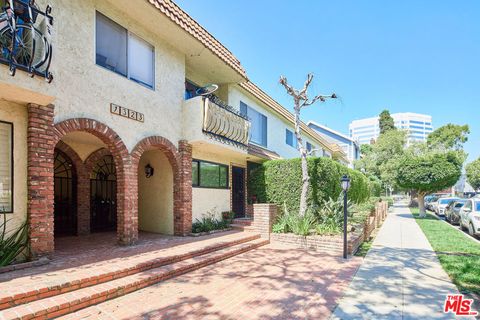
<point>25,37</point>
<point>225,124</point>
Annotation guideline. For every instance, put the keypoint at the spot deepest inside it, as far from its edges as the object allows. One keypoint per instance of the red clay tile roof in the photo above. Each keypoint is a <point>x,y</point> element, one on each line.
<point>183,20</point>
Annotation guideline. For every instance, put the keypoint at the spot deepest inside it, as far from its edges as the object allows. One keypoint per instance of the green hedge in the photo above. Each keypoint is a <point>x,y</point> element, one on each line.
<point>279,181</point>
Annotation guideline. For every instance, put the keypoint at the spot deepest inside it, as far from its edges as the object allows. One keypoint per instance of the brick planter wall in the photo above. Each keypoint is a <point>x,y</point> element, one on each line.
<point>333,244</point>
<point>263,218</point>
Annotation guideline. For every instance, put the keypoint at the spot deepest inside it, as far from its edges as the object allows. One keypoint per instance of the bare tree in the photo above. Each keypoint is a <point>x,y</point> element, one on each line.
<point>301,100</point>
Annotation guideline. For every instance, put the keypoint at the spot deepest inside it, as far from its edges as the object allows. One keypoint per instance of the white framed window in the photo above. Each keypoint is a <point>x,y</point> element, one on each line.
<point>258,129</point>
<point>290,138</point>
<point>123,52</point>
<point>6,167</point>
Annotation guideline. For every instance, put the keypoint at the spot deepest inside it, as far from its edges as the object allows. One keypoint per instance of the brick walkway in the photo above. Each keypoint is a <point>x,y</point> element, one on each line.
<point>272,282</point>
<point>82,257</point>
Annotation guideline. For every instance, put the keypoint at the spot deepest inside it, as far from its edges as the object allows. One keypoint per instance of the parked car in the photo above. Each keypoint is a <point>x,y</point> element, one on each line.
<point>431,204</point>
<point>452,212</point>
<point>442,204</point>
<point>429,201</point>
<point>470,216</point>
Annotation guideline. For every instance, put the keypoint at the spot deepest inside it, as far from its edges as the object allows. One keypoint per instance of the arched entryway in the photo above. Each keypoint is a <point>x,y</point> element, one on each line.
<point>65,195</point>
<point>43,136</point>
<point>164,195</point>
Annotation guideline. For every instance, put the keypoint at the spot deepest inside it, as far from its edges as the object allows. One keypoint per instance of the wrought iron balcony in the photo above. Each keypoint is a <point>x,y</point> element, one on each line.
<point>224,123</point>
<point>207,118</point>
<point>25,38</point>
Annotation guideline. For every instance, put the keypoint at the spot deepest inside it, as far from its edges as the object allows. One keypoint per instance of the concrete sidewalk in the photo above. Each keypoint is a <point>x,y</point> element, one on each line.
<point>401,277</point>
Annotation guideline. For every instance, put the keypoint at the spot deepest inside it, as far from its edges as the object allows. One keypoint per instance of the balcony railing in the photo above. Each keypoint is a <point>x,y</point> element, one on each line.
<point>25,38</point>
<point>224,123</point>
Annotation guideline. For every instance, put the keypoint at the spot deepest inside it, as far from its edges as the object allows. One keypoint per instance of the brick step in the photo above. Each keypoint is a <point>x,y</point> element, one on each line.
<point>38,290</point>
<point>243,221</point>
<point>72,301</point>
<point>242,227</point>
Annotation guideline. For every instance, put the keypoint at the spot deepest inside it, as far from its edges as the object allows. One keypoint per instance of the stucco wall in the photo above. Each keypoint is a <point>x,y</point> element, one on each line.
<point>155,194</point>
<point>275,124</point>
<point>206,199</point>
<point>83,89</point>
<point>17,114</point>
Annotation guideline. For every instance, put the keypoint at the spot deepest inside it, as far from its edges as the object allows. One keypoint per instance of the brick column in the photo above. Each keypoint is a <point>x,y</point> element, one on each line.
<point>263,217</point>
<point>183,190</point>
<point>40,182</point>
<point>127,203</point>
<point>83,201</point>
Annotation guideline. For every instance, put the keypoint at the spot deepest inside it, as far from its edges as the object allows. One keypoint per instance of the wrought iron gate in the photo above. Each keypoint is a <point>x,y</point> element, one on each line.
<point>103,196</point>
<point>65,210</point>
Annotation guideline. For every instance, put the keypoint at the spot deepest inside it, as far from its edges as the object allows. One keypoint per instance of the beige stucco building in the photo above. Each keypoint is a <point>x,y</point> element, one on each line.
<point>119,140</point>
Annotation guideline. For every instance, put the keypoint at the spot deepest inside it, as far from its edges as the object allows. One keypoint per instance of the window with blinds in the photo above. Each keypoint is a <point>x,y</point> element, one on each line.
<point>123,52</point>
<point>6,167</point>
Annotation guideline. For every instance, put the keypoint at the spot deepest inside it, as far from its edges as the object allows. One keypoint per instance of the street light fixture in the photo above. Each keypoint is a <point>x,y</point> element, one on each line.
<point>345,186</point>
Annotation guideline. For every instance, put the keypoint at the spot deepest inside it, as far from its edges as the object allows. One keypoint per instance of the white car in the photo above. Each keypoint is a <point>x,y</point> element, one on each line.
<point>470,216</point>
<point>442,204</point>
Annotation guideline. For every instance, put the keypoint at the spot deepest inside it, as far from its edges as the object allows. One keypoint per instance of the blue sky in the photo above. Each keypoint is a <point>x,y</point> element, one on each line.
<point>405,56</point>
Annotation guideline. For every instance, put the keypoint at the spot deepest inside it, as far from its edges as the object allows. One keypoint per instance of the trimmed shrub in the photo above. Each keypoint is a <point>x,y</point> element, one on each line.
<point>279,182</point>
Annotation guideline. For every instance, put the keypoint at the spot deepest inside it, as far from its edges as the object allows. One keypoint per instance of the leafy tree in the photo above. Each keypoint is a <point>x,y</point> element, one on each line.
<point>365,149</point>
<point>382,158</point>
<point>428,171</point>
<point>386,122</point>
<point>473,173</point>
<point>449,137</point>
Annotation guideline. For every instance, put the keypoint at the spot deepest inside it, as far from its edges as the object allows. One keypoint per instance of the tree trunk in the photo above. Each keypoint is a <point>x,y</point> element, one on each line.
<point>303,157</point>
<point>305,185</point>
<point>421,204</point>
<point>300,100</point>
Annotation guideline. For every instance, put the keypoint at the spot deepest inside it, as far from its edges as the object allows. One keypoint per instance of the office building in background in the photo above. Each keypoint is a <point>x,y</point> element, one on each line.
<point>419,126</point>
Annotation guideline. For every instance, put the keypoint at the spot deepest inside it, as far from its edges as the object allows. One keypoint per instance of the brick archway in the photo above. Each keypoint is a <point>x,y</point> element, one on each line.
<point>127,232</point>
<point>42,137</point>
<point>181,161</point>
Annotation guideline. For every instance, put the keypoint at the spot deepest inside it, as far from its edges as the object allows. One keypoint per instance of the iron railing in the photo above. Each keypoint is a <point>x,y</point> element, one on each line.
<point>25,38</point>
<point>224,123</point>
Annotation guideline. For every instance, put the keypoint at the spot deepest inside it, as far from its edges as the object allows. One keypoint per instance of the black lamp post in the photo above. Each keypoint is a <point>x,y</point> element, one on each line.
<point>345,186</point>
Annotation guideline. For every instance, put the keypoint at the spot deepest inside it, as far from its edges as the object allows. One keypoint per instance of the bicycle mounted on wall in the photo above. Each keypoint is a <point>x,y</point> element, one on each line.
<point>25,34</point>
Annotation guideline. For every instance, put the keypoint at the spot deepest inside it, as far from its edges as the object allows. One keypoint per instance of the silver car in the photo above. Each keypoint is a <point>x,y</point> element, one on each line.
<point>442,204</point>
<point>452,213</point>
<point>470,216</point>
